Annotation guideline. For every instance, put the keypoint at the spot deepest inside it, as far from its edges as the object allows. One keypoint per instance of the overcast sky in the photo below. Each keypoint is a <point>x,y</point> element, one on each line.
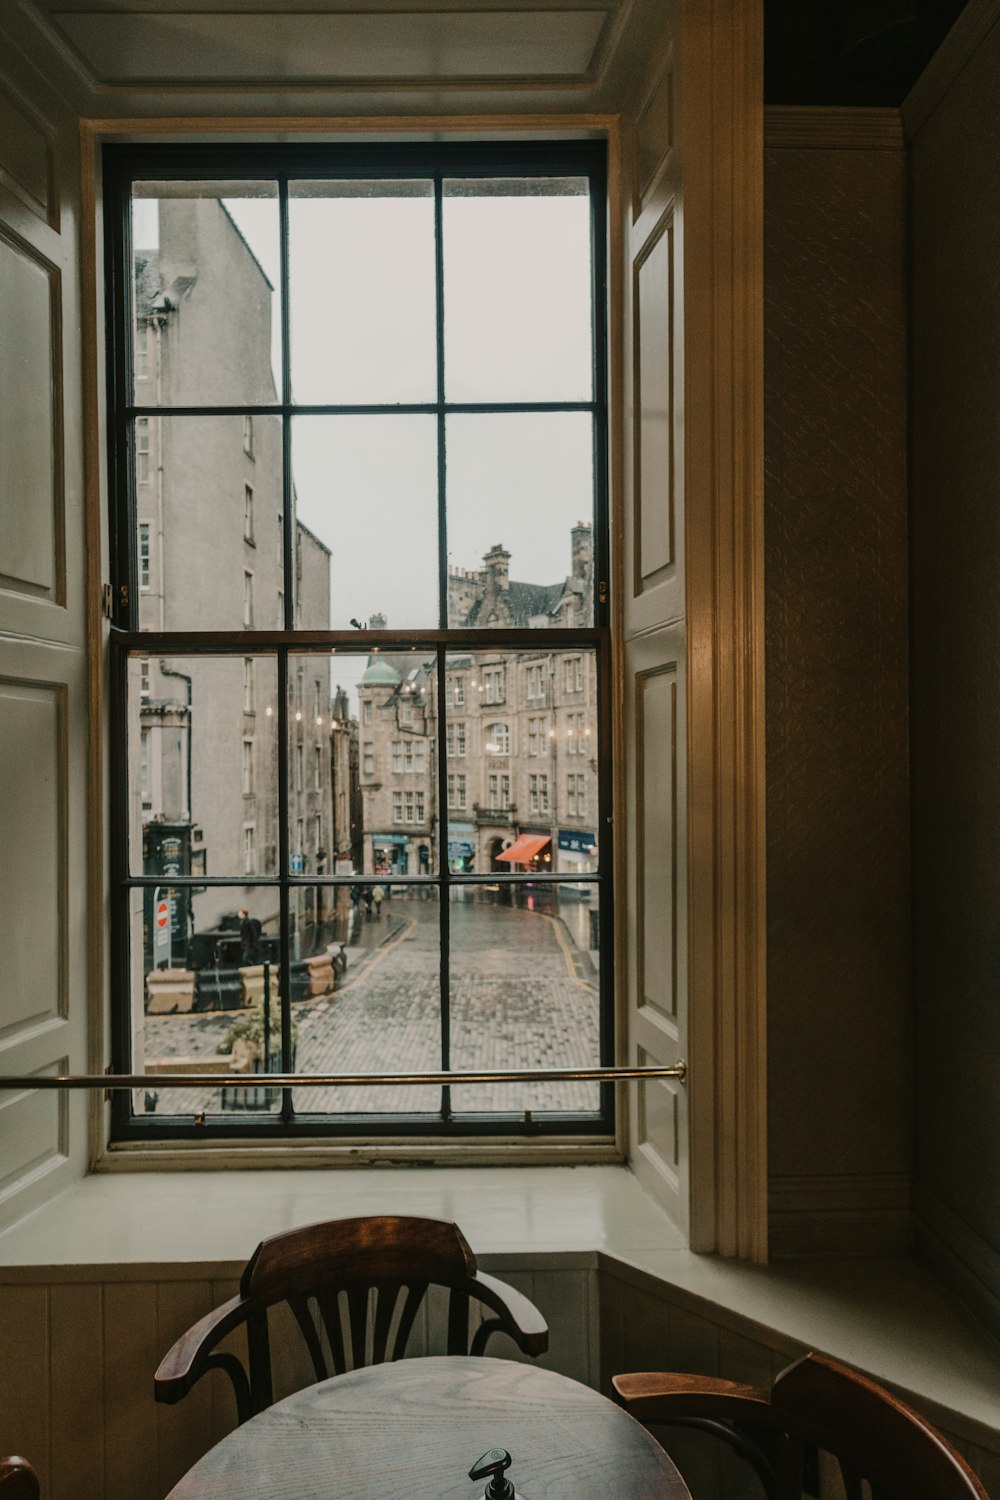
<point>517,328</point>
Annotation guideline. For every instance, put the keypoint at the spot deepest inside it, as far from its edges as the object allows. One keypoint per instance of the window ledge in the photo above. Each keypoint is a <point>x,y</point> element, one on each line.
<point>890,1317</point>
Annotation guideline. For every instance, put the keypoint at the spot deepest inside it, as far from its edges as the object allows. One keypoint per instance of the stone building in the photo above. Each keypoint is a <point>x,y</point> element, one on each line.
<point>210,543</point>
<point>519,738</point>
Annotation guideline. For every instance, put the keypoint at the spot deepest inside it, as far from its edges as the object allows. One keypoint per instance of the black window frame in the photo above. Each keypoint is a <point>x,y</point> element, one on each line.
<point>280,163</point>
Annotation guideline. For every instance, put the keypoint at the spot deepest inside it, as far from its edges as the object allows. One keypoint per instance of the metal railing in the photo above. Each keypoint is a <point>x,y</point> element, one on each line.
<point>109,1081</point>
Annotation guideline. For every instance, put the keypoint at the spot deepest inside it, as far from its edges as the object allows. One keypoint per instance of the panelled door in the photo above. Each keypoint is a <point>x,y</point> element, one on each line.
<point>654,637</point>
<point>43,660</point>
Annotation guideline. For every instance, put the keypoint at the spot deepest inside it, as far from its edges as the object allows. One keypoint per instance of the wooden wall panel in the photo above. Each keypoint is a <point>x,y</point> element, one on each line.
<point>836,698</point>
<point>27,156</point>
<point>31,499</point>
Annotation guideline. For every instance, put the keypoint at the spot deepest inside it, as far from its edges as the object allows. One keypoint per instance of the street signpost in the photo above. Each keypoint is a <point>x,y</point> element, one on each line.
<point>162,928</point>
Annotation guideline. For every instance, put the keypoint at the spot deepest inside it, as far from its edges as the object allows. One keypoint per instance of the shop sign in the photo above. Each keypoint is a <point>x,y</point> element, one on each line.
<point>575,842</point>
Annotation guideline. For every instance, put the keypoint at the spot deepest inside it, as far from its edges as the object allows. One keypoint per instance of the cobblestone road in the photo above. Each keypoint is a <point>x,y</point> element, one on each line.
<point>523,994</point>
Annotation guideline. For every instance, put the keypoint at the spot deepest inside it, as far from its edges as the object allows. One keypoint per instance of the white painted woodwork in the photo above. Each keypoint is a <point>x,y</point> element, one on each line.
<point>652,584</point>
<point>243,47</point>
<point>43,680</point>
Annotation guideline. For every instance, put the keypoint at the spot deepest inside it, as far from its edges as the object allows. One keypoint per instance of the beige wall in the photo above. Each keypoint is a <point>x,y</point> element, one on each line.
<point>835,570</point>
<point>955,157</point>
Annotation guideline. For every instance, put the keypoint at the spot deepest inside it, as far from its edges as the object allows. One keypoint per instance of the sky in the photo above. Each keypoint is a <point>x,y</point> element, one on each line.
<point>517,328</point>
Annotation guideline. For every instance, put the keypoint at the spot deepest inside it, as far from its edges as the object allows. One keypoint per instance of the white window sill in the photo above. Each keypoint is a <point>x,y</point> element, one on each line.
<point>889,1317</point>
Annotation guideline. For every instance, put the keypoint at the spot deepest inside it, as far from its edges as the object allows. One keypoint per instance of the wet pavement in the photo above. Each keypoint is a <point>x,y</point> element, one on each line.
<point>523,991</point>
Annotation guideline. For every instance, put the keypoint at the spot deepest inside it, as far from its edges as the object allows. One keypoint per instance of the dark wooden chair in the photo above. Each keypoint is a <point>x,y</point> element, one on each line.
<point>18,1480</point>
<point>355,1287</point>
<point>815,1403</point>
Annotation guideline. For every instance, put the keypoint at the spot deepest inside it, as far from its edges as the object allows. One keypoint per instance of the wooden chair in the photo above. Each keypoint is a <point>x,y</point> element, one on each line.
<point>815,1403</point>
<point>18,1480</point>
<point>383,1267</point>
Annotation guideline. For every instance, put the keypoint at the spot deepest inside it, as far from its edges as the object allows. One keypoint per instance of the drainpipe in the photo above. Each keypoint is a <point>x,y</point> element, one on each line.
<point>170,672</point>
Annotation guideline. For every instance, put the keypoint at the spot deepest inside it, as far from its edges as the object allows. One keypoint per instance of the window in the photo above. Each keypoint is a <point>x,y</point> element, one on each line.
<point>144,768</point>
<point>537,733</point>
<point>142,450</point>
<point>538,794</point>
<point>456,792</point>
<point>144,677</point>
<point>470,278</point>
<point>497,739</point>
<point>144,554</point>
<point>575,734</point>
<point>499,793</point>
<point>492,685</point>
<point>142,351</point>
<point>574,674</point>
<point>576,797</point>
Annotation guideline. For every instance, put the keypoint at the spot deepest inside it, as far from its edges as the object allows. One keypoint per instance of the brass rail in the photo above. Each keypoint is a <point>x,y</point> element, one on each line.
<point>334,1080</point>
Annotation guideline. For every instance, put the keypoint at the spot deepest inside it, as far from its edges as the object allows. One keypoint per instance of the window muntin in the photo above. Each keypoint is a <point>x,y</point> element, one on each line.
<point>481,683</point>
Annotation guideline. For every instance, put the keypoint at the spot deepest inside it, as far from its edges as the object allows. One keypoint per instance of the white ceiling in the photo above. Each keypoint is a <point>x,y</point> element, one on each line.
<point>142,56</point>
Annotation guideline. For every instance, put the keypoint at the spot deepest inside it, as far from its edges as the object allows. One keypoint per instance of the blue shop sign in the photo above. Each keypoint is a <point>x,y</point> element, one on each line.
<point>459,849</point>
<point>381,839</point>
<point>576,843</point>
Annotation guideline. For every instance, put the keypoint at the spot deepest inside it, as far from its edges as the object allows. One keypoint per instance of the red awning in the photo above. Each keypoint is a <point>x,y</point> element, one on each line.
<point>525,848</point>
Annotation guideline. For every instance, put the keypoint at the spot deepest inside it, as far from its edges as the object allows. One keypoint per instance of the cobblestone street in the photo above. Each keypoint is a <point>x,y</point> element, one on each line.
<point>523,994</point>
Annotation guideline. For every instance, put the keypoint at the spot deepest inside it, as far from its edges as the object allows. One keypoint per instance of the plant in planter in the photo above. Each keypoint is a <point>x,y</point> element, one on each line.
<point>244,1041</point>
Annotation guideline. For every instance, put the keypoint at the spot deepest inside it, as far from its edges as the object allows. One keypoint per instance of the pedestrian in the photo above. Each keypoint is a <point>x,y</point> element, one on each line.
<point>249,938</point>
<point>377,895</point>
<point>368,902</point>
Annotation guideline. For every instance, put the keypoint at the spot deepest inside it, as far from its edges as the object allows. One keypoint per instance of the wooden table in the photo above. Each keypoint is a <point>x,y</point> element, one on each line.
<point>415,1429</point>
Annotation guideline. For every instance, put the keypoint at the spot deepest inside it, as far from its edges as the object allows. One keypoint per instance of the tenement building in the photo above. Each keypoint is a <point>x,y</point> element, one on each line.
<point>519,741</point>
<point>210,543</point>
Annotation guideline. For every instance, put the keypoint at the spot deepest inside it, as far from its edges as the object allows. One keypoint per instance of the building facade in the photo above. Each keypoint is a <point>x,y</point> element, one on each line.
<point>211,555</point>
<point>519,739</point>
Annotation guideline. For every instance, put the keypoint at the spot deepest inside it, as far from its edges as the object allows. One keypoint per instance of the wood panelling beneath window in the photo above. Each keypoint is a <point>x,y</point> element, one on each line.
<point>76,1379</point>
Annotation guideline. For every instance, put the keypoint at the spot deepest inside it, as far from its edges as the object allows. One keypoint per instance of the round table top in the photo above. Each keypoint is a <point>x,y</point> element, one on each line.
<point>415,1429</point>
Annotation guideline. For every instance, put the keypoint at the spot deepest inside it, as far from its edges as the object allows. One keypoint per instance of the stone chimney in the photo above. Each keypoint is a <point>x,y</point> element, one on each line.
<point>583,549</point>
<point>496,563</point>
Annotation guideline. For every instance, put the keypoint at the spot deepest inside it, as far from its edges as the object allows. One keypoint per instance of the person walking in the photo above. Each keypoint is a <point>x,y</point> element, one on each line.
<point>377,897</point>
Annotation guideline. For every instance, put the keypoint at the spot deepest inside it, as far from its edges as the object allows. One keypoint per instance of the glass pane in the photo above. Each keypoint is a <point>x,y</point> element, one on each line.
<point>203,766</point>
<point>520,519</point>
<point>362,292</point>
<point>206,293</point>
<point>209,525</point>
<point>521,738</point>
<point>517,290</point>
<point>524,992</point>
<point>366,491</point>
<point>384,1013</point>
<point>398,764</point>
<point>201,959</point>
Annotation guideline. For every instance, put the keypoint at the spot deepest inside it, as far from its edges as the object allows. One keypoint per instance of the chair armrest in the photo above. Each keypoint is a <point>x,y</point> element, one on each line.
<point>517,1314</point>
<point>662,1396</point>
<point>185,1363</point>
